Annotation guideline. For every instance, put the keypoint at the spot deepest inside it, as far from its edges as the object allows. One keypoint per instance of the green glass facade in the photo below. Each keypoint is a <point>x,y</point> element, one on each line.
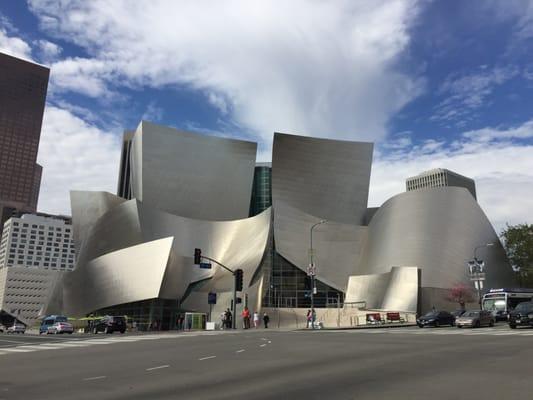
<point>261,190</point>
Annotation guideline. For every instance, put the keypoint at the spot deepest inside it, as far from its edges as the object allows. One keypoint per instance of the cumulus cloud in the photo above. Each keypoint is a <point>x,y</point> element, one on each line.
<point>503,170</point>
<point>317,68</point>
<point>14,46</point>
<point>49,51</point>
<point>74,155</point>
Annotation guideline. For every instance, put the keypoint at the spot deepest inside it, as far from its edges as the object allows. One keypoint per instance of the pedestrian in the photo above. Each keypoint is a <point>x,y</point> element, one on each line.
<point>223,320</point>
<point>313,317</point>
<point>229,319</point>
<point>246,318</point>
<point>256,320</point>
<point>266,320</point>
<point>308,318</point>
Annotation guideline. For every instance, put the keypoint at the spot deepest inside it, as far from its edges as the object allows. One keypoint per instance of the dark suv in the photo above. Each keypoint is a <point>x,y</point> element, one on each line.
<point>522,315</point>
<point>109,324</point>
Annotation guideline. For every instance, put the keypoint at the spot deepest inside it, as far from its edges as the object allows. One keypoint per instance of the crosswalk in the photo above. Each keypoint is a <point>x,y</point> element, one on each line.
<point>498,331</point>
<point>79,343</point>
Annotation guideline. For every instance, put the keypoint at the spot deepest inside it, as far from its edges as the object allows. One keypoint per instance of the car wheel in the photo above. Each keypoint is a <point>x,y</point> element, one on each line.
<point>106,330</point>
<point>477,324</point>
<point>491,323</point>
<point>70,333</point>
<point>437,324</point>
<point>95,331</point>
<point>122,331</point>
<point>512,326</point>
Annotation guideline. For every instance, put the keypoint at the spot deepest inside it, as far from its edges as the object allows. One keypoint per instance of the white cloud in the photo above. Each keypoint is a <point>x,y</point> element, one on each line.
<point>14,46</point>
<point>468,92</point>
<point>503,171</point>
<point>309,67</point>
<point>74,155</point>
<point>49,51</point>
<point>153,113</point>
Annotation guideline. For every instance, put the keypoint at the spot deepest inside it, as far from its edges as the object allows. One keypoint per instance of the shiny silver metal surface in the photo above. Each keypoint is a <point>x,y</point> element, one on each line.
<point>191,175</point>
<point>435,229</point>
<point>134,252</point>
<point>328,179</point>
<point>316,179</point>
<point>394,290</point>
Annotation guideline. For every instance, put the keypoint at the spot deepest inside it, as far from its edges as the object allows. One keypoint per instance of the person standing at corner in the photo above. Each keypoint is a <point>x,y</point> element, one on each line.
<point>228,319</point>
<point>246,318</point>
<point>266,320</point>
<point>308,318</point>
<point>256,320</point>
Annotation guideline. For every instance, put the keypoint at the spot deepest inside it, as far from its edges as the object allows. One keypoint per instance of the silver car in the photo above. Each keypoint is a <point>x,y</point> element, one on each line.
<point>475,319</point>
<point>60,327</point>
<point>16,328</point>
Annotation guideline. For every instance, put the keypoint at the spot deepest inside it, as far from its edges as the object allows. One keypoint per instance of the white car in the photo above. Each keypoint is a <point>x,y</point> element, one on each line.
<point>16,328</point>
<point>60,327</point>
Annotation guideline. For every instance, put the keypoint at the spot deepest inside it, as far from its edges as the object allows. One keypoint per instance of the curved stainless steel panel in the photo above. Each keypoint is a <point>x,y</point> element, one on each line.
<point>124,257</point>
<point>87,207</point>
<point>123,276</point>
<point>192,175</point>
<point>338,248</point>
<point>435,229</point>
<point>325,178</point>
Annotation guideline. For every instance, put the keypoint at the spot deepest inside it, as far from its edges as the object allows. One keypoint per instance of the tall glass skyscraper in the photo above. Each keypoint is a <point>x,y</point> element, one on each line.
<point>23,88</point>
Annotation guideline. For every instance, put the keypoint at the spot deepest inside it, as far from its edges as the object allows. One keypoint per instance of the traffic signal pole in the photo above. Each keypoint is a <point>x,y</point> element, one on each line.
<point>233,272</point>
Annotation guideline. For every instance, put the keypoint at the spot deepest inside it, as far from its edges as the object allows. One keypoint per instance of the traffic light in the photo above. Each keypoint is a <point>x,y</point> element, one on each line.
<point>197,256</point>
<point>238,280</point>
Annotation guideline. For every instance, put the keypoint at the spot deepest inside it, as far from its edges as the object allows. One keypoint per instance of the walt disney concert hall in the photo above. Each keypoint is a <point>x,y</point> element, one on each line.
<point>178,191</point>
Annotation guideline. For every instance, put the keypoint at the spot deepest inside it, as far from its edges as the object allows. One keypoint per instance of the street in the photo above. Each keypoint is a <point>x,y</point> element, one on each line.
<point>401,363</point>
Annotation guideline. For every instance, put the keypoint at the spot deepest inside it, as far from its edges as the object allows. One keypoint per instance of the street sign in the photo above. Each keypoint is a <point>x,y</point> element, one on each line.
<point>205,265</point>
<point>212,298</point>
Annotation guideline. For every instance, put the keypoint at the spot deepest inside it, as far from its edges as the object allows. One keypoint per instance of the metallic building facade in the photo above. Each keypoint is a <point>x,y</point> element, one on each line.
<point>23,87</point>
<point>189,190</point>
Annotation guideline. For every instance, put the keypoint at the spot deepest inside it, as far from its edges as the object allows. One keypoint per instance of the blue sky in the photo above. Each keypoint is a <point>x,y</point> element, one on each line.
<point>432,83</point>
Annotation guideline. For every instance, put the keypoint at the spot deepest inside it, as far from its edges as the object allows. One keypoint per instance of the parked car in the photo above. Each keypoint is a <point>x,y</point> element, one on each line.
<point>60,327</point>
<point>522,315</point>
<point>457,313</point>
<point>49,321</point>
<point>475,319</point>
<point>436,319</point>
<point>109,324</point>
<point>16,328</point>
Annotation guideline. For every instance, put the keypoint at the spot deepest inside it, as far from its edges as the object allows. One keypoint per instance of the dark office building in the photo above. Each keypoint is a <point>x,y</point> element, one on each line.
<point>261,188</point>
<point>23,88</point>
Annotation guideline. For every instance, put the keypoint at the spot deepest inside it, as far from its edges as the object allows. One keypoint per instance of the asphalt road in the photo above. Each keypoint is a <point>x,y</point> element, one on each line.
<point>402,363</point>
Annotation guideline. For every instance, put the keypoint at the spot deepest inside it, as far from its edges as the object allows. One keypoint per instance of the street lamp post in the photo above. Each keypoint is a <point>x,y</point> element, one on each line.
<point>312,271</point>
<point>477,271</point>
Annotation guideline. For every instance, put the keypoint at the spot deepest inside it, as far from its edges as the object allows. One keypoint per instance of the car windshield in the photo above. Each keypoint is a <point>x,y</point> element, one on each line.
<point>61,319</point>
<point>431,314</point>
<point>494,304</point>
<point>471,314</point>
<point>524,307</point>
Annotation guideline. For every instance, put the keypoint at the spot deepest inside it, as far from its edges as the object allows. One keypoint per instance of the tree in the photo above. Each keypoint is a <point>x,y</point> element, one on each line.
<point>462,294</point>
<point>518,243</point>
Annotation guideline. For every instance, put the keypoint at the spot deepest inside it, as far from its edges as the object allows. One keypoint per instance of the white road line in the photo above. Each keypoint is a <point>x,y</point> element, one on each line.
<point>17,350</point>
<point>159,367</point>
<point>93,378</point>
<point>13,341</point>
<point>206,358</point>
<point>264,338</point>
<point>262,345</point>
<point>240,351</point>
<point>270,341</point>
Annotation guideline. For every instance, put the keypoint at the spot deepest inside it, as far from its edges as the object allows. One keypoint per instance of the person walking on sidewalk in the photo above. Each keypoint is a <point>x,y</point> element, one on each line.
<point>266,320</point>
<point>257,321</point>
<point>308,318</point>
<point>246,318</point>
<point>228,319</point>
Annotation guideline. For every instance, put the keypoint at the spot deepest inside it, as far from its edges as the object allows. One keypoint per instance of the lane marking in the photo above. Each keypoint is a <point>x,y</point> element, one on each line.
<point>13,341</point>
<point>262,345</point>
<point>240,351</point>
<point>159,367</point>
<point>93,378</point>
<point>270,341</point>
<point>206,358</point>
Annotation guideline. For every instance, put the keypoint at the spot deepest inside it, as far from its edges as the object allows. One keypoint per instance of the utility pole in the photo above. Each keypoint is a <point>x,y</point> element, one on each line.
<point>311,271</point>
